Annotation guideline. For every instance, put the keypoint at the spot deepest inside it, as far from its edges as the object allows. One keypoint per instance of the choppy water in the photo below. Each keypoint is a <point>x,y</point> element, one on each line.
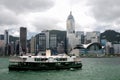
<point>93,69</point>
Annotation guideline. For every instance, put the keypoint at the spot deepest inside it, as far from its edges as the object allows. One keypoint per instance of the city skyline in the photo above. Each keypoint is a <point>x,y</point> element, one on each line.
<point>39,15</point>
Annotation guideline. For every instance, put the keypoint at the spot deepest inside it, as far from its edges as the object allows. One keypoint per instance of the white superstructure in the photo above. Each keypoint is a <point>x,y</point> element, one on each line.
<point>46,58</point>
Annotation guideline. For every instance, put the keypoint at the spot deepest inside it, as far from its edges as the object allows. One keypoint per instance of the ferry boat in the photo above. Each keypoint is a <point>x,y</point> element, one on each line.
<point>46,62</point>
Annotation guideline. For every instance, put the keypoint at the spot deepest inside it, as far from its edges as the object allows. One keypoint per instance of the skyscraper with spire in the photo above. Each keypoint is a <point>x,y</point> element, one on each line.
<point>72,41</point>
<point>70,24</point>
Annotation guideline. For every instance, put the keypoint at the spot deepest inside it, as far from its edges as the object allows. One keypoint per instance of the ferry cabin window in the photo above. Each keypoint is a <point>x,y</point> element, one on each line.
<point>37,59</point>
<point>44,59</point>
<point>61,59</point>
<point>24,58</point>
<point>40,59</point>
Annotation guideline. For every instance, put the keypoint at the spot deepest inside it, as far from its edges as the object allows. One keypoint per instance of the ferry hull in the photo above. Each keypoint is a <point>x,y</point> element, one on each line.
<point>45,66</point>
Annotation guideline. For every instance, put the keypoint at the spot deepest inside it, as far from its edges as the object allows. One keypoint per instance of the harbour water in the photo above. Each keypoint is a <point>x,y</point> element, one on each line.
<point>93,69</point>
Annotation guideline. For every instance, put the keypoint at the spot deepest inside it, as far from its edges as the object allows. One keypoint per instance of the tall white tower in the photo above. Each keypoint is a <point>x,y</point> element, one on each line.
<point>70,24</point>
<point>71,38</point>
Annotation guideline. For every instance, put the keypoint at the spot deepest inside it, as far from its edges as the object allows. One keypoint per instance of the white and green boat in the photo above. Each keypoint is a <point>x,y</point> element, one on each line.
<point>47,62</point>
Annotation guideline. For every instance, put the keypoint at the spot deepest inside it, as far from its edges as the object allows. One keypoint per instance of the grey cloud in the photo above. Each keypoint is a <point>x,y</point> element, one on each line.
<point>43,23</point>
<point>107,26</point>
<point>78,27</point>
<point>74,2</point>
<point>7,17</point>
<point>11,10</point>
<point>101,27</point>
<point>20,6</point>
<point>105,10</point>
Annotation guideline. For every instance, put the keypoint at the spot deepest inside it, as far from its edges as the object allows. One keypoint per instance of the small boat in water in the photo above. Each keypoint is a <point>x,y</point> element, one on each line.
<point>47,62</point>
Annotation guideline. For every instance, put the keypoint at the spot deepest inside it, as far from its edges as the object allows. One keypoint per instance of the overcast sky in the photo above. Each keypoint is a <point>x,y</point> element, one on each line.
<point>38,15</point>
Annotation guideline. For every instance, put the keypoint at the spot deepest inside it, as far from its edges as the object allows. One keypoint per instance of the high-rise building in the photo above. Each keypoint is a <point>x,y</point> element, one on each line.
<point>42,42</point>
<point>53,41</point>
<point>50,39</point>
<point>32,45</point>
<point>46,32</point>
<point>92,37</point>
<point>2,46</point>
<point>6,37</point>
<point>17,47</point>
<point>23,39</point>
<point>70,24</point>
<point>53,37</point>
<point>80,35</point>
<point>1,37</point>
<point>72,40</point>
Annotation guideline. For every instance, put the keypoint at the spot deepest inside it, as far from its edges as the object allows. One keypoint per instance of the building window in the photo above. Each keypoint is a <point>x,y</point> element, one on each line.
<point>53,41</point>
